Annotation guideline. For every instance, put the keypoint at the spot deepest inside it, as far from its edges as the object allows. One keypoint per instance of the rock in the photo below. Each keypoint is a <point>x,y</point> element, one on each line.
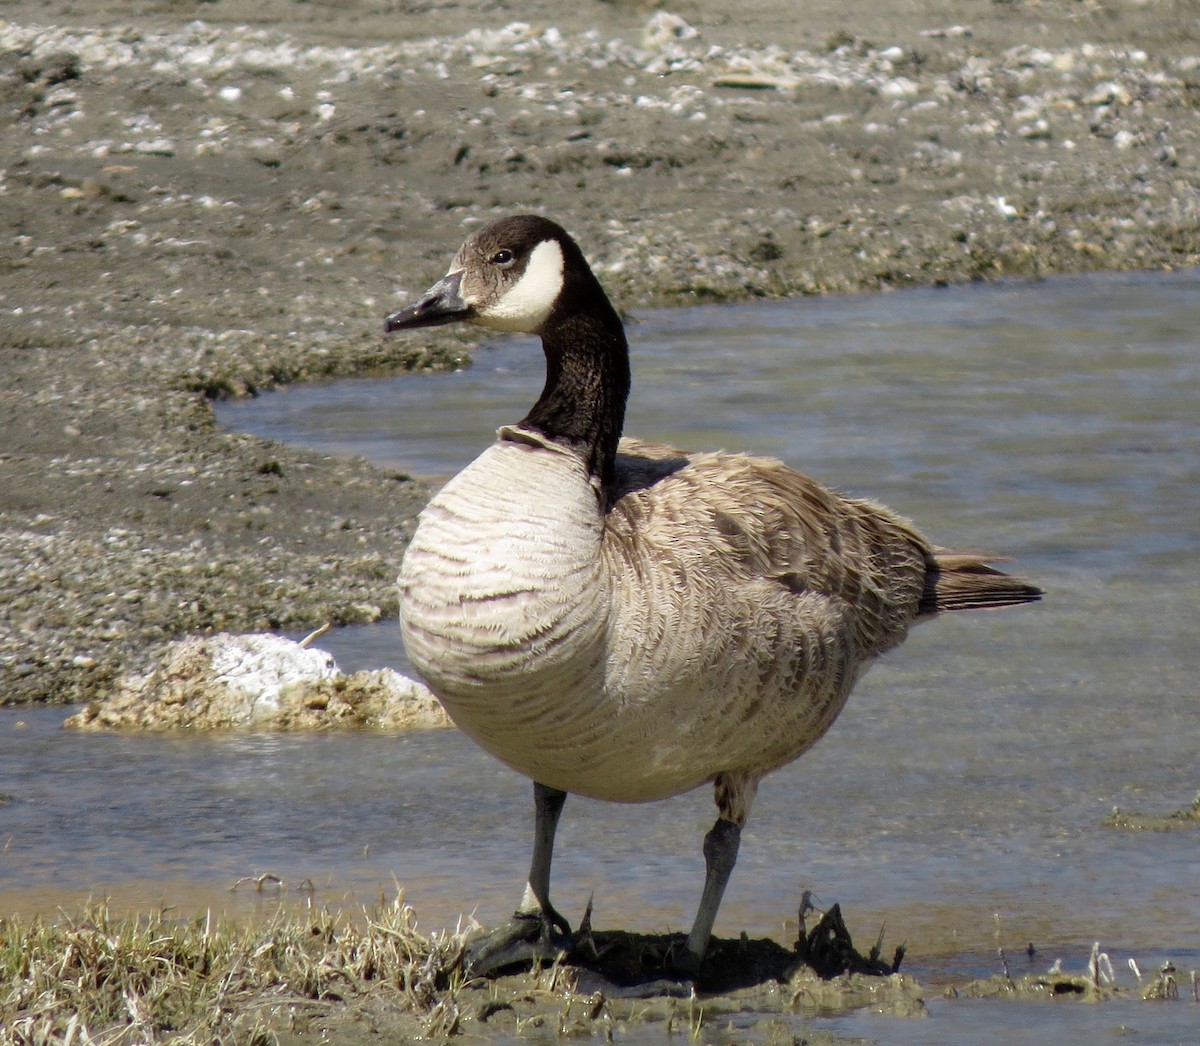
<point>258,682</point>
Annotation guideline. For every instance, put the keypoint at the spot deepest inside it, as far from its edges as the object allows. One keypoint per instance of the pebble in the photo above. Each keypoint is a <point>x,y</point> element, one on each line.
<point>667,44</point>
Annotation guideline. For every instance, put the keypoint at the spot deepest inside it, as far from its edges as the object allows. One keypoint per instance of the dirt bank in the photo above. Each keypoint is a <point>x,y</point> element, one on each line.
<point>198,208</point>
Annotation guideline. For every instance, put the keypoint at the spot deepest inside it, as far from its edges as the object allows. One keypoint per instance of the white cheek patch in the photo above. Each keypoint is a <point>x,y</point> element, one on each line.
<point>526,304</point>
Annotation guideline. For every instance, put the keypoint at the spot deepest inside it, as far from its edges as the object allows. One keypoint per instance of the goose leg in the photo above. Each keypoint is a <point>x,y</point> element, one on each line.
<point>528,937</point>
<point>734,793</point>
<point>720,855</point>
<point>547,808</point>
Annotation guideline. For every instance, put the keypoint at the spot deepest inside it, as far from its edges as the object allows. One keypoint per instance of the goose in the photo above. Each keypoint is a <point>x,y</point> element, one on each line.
<point>627,621</point>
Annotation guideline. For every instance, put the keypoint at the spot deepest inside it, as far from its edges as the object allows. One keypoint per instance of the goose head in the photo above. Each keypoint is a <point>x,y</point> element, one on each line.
<point>512,275</point>
<point>526,275</point>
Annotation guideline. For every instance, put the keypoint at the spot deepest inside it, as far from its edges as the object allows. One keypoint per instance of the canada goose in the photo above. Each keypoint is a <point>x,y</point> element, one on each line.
<point>625,620</point>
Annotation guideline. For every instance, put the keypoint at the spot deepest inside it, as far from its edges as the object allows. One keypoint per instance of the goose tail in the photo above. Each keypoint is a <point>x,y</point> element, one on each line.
<point>968,581</point>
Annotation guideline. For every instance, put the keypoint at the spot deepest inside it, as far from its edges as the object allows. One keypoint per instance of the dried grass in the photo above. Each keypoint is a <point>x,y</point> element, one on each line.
<point>92,978</point>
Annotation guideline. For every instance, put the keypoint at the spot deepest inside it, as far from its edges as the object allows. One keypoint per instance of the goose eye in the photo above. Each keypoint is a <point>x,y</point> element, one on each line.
<point>502,259</point>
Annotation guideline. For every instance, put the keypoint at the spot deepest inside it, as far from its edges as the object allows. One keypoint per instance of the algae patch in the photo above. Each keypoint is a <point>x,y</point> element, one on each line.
<point>1137,821</point>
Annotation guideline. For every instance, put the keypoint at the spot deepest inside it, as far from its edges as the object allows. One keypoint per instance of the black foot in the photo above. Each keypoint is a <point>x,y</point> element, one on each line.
<point>526,941</point>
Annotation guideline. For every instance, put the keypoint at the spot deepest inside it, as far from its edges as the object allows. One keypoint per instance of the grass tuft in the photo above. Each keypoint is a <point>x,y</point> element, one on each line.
<point>92,978</point>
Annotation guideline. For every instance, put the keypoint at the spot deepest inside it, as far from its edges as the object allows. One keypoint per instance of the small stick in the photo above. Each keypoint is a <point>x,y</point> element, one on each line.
<point>1000,950</point>
<point>259,881</point>
<point>877,950</point>
<point>313,636</point>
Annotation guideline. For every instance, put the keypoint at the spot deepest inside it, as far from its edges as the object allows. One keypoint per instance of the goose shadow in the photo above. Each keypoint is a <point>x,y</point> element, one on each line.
<point>624,963</point>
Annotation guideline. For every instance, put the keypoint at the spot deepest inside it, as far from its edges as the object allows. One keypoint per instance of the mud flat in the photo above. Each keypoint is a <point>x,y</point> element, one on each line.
<point>199,208</point>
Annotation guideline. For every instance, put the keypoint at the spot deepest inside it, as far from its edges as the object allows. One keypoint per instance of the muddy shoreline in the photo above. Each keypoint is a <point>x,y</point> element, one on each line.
<point>203,208</point>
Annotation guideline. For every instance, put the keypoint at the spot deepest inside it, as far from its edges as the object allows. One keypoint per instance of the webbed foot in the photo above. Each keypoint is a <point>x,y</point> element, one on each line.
<point>529,938</point>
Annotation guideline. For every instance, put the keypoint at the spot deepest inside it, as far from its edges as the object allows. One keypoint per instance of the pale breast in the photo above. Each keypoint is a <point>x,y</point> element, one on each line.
<point>501,606</point>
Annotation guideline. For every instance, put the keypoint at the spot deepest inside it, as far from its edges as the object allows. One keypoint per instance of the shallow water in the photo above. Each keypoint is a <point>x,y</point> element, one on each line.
<point>969,775</point>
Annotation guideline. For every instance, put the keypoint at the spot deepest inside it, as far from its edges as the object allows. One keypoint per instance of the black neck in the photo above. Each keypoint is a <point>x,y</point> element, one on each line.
<point>587,383</point>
